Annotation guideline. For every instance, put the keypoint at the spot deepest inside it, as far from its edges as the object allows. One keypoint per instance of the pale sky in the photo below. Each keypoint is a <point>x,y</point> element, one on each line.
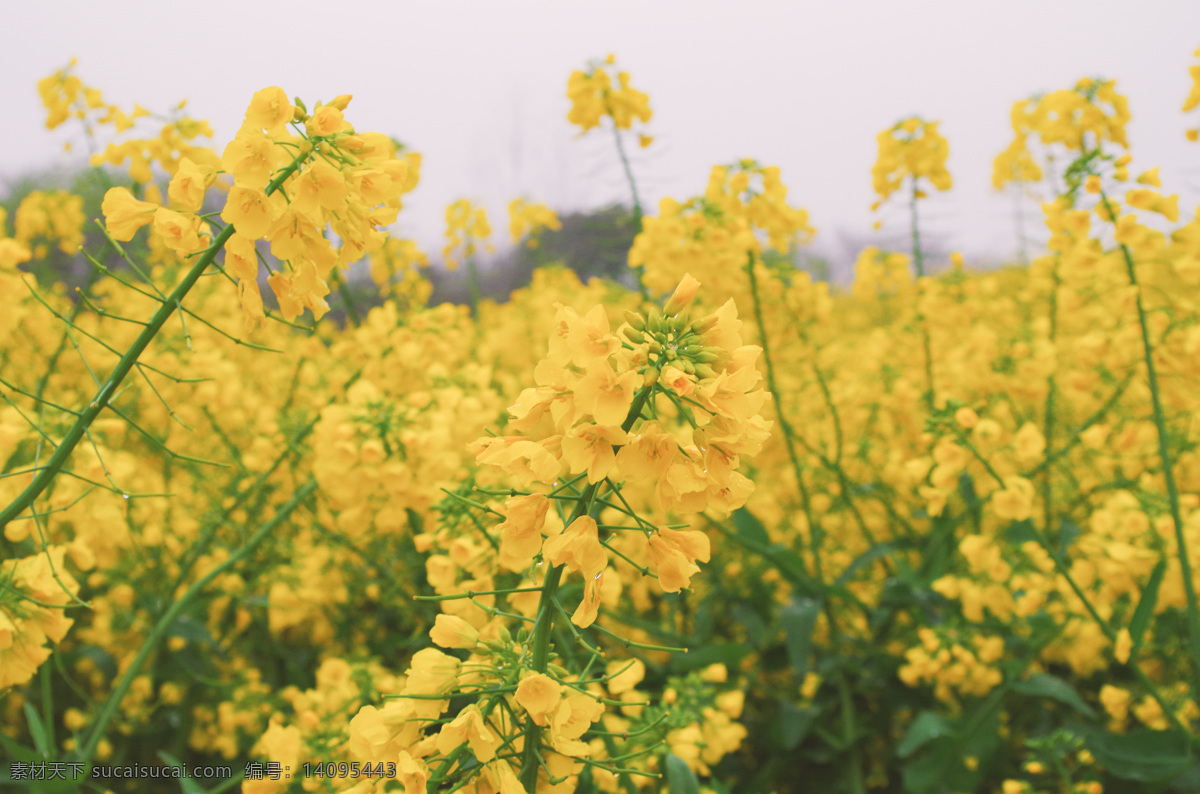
<point>479,89</point>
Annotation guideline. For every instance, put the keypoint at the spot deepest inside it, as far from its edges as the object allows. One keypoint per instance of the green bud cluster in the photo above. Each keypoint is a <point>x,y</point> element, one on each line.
<point>674,340</point>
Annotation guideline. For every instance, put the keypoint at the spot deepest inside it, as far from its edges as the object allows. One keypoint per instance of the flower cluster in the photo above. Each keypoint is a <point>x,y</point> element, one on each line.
<point>593,97</point>
<point>744,212</point>
<point>466,226</point>
<point>526,220</point>
<point>912,148</point>
<point>33,594</point>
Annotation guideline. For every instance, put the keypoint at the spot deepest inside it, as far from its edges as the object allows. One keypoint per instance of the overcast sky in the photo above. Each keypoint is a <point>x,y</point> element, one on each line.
<point>479,89</point>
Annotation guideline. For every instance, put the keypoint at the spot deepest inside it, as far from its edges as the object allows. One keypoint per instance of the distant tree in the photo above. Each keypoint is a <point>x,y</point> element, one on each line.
<point>593,244</point>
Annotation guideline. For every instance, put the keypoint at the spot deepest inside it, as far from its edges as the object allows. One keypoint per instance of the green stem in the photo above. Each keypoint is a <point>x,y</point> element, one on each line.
<point>789,434</point>
<point>48,707</point>
<point>544,624</point>
<point>473,291</point>
<point>87,416</point>
<point>1160,423</point>
<point>1047,505</point>
<point>114,700</point>
<point>853,769</point>
<point>919,263</point>
<point>918,258</point>
<point>640,270</point>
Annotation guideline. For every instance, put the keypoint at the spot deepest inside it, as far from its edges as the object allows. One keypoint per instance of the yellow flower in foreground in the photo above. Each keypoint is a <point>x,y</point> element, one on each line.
<point>673,556</point>
<point>451,631</point>
<point>578,548</point>
<point>249,210</point>
<point>124,215</point>
<point>539,694</point>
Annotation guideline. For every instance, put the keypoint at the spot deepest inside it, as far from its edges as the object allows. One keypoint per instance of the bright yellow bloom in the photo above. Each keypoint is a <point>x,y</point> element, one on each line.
<point>539,695</point>
<point>124,215</point>
<point>521,531</point>
<point>673,556</point>
<point>270,111</point>
<point>249,210</point>
<point>469,727</point>
<point>451,631</point>
<point>578,548</point>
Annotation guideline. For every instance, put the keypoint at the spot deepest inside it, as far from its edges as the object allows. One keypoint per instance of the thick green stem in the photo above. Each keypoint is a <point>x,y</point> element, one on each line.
<point>543,626</point>
<point>114,699</point>
<point>98,403</point>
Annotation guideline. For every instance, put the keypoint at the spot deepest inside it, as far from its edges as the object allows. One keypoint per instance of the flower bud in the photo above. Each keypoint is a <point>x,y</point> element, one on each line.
<point>655,322</point>
<point>682,296</point>
<point>705,324</point>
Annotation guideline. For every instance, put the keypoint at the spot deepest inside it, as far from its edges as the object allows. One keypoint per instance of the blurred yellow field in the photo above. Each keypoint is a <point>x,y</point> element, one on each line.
<point>713,525</point>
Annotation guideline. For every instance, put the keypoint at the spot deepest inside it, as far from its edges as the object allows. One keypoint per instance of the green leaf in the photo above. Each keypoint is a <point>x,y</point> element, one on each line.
<point>1068,531</point>
<point>926,774</point>
<point>799,618</point>
<point>19,752</point>
<point>870,555</point>
<point>925,728</point>
<point>1050,686</point>
<point>1019,532</point>
<point>41,739</point>
<point>188,785</point>
<point>794,723</point>
<point>680,778</point>
<point>1145,607</point>
<point>749,527</point>
<point>1142,755</point>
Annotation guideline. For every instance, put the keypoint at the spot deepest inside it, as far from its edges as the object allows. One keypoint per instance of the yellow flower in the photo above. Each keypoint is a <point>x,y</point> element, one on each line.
<point>432,673</point>
<point>124,215</point>
<point>180,231</point>
<point>1015,501</point>
<point>539,695</point>
<point>578,548</point>
<point>469,727</point>
<point>187,187</point>
<point>270,111</point>
<point>249,210</point>
<point>521,531</point>
<point>574,716</point>
<point>605,394</point>
<point>673,556</point>
<point>624,675</point>
<point>326,121</point>
<point>590,448</point>
<point>450,631</point>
